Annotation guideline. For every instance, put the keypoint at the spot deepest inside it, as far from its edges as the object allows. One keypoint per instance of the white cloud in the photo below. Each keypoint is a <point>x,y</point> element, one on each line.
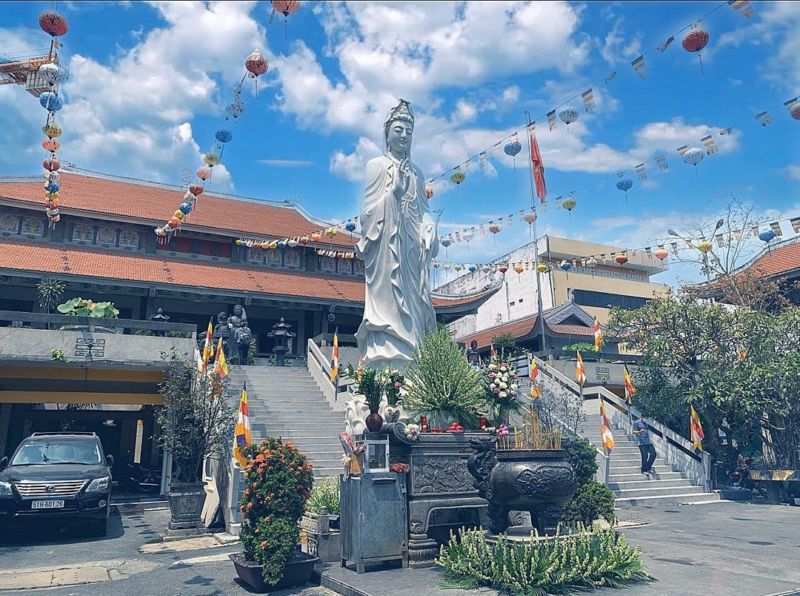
<point>793,172</point>
<point>286,163</point>
<point>615,49</point>
<point>511,94</point>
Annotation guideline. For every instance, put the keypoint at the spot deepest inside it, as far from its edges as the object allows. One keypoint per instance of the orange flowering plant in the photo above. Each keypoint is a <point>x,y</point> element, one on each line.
<point>277,483</point>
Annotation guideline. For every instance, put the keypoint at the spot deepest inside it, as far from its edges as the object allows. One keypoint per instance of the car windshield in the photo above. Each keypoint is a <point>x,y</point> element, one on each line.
<point>57,452</point>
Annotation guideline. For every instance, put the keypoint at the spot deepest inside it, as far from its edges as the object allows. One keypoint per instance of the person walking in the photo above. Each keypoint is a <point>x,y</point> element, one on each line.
<point>641,434</point>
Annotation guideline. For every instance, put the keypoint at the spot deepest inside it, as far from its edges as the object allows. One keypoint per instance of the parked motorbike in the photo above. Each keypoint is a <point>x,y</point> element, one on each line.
<point>143,478</point>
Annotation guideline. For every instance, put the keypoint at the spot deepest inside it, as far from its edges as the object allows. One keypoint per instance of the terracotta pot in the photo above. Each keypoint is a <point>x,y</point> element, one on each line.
<point>374,421</point>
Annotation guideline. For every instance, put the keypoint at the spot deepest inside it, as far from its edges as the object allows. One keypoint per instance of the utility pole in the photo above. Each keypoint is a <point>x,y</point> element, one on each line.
<point>539,304</point>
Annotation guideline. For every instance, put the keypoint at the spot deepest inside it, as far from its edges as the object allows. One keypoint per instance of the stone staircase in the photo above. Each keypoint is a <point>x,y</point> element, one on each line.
<point>286,402</point>
<point>630,486</point>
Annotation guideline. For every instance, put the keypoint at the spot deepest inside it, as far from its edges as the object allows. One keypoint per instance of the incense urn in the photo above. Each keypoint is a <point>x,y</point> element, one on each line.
<point>539,481</point>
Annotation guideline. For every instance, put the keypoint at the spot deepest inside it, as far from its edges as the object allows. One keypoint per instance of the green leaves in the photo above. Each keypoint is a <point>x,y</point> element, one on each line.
<point>440,382</point>
<point>80,307</point>
<point>585,559</point>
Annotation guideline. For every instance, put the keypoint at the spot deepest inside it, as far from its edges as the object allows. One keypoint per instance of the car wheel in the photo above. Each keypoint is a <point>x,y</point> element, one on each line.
<point>98,527</point>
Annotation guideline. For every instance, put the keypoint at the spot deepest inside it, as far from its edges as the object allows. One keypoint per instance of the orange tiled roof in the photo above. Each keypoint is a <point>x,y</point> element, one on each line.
<point>780,259</point>
<point>155,205</point>
<point>522,328</point>
<point>35,258</point>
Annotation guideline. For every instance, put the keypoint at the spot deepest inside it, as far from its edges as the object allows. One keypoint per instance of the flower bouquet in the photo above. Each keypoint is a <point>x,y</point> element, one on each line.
<point>501,390</point>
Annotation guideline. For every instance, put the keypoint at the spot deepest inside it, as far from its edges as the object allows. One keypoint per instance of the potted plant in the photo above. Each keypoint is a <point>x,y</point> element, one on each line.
<point>80,307</point>
<point>196,421</point>
<point>441,384</point>
<point>500,390</point>
<point>278,481</point>
<point>370,384</point>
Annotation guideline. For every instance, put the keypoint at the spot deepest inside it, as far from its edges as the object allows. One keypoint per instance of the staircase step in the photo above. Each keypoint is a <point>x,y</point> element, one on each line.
<point>682,498</point>
<point>666,490</point>
<point>637,484</point>
<point>638,476</point>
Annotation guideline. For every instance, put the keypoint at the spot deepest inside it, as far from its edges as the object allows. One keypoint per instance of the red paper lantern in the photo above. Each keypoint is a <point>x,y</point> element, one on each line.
<point>502,268</point>
<point>204,173</point>
<point>621,259</point>
<point>286,7</point>
<point>256,64</point>
<point>51,145</point>
<point>494,228</point>
<point>174,222</point>
<point>529,218</point>
<point>304,240</point>
<point>316,236</point>
<point>794,111</point>
<point>695,40</point>
<point>196,189</point>
<point>51,164</point>
<point>53,23</point>
<point>661,254</point>
<point>428,191</point>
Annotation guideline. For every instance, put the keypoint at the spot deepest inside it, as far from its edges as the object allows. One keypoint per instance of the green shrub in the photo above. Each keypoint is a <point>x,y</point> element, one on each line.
<point>441,383</point>
<point>277,483</point>
<point>583,457</point>
<point>591,501</point>
<point>586,559</point>
<point>324,494</point>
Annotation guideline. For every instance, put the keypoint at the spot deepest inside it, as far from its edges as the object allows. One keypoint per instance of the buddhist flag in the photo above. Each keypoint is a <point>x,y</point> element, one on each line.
<point>598,335</point>
<point>208,347</point>
<point>580,371</point>
<point>220,362</point>
<point>335,356</point>
<point>537,167</point>
<point>241,436</point>
<point>606,435</point>
<point>696,429</point>
<point>536,390</point>
<point>492,353</point>
<point>630,389</point>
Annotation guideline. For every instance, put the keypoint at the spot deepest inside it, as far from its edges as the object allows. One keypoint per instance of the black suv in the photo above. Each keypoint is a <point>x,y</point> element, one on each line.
<point>57,475</point>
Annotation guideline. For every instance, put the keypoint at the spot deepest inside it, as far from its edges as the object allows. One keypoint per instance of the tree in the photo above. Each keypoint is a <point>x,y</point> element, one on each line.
<point>504,344</point>
<point>50,293</point>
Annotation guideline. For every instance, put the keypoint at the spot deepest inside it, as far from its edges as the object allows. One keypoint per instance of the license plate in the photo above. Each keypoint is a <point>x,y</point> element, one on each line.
<point>53,504</point>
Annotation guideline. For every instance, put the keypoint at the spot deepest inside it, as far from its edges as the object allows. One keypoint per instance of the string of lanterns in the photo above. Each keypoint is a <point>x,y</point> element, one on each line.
<point>290,241</point>
<point>695,39</point>
<point>55,25</point>
<point>255,66</point>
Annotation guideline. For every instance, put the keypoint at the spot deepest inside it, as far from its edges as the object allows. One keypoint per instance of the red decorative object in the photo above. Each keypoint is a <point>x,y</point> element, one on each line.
<point>51,165</point>
<point>196,189</point>
<point>204,173</point>
<point>455,428</point>
<point>494,228</point>
<point>695,40</point>
<point>398,468</point>
<point>661,254</point>
<point>256,64</point>
<point>316,236</point>
<point>304,240</point>
<point>428,191</point>
<point>51,145</point>
<point>482,422</point>
<point>53,23</point>
<point>423,423</point>
<point>621,259</point>
<point>503,268</point>
<point>286,7</point>
<point>794,111</point>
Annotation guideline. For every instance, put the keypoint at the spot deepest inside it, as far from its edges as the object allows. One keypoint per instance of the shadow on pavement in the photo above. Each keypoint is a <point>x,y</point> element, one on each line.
<point>41,532</point>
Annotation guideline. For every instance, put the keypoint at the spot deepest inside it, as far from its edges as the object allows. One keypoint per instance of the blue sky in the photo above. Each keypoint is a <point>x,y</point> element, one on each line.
<point>149,82</point>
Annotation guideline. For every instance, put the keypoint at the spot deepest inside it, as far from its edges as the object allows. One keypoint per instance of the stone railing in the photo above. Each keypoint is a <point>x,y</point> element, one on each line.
<point>38,337</point>
<point>677,451</point>
<point>336,393</point>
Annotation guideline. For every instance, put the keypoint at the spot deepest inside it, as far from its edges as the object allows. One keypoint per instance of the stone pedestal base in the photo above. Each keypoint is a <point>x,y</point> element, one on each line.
<point>421,551</point>
<point>171,534</point>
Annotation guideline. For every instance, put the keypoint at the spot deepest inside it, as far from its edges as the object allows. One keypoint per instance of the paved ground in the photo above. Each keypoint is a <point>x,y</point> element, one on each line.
<point>709,550</point>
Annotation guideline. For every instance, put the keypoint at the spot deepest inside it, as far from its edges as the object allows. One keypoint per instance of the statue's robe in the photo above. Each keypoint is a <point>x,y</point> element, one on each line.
<point>398,242</point>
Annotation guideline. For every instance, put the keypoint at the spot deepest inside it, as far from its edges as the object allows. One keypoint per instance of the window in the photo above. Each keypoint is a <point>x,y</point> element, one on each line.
<point>603,300</point>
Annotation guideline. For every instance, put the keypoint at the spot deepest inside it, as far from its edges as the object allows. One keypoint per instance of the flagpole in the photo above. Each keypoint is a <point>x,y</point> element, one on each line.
<point>539,304</point>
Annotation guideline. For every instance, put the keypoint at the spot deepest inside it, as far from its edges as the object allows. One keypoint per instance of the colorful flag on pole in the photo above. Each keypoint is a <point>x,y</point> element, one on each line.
<point>639,66</point>
<point>492,353</point>
<point>641,172</point>
<point>220,362</point>
<point>241,436</point>
<point>208,347</point>
<point>696,429</point>
<point>606,436</point>
<point>598,335</point>
<point>580,370</point>
<point>536,390</point>
<point>630,388</point>
<point>537,166</point>
<point>662,162</point>
<point>335,356</point>
<point>764,118</point>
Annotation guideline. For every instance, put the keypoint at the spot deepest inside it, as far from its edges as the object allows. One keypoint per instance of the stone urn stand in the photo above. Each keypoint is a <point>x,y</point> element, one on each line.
<point>539,481</point>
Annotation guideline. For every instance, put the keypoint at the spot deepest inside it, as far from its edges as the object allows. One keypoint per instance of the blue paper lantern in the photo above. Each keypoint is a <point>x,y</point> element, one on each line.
<point>565,265</point>
<point>350,226</point>
<point>693,156</point>
<point>766,235</point>
<point>52,187</point>
<point>624,184</point>
<point>472,268</point>
<point>513,148</point>
<point>50,101</point>
<point>223,135</point>
<point>185,208</point>
<point>281,244</point>
<point>568,115</point>
<point>445,242</point>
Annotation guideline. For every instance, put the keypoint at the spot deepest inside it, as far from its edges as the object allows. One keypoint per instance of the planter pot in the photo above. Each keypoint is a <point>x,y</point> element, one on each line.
<point>540,481</point>
<point>296,573</point>
<point>186,504</point>
<point>374,420</point>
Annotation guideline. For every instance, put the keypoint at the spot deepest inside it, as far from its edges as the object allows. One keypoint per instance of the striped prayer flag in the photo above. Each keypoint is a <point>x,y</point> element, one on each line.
<point>710,145</point>
<point>551,119</point>
<point>220,362</point>
<point>208,347</point>
<point>630,388</point>
<point>640,67</point>
<point>640,171</point>
<point>580,370</point>
<point>606,436</point>
<point>662,162</point>
<point>598,335</point>
<point>666,44</point>
<point>588,99</point>
<point>536,390</point>
<point>241,436</point>
<point>696,429</point>
<point>764,118</point>
<point>335,356</point>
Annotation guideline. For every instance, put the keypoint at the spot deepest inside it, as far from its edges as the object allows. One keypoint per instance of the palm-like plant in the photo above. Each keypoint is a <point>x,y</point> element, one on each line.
<point>50,293</point>
<point>441,384</point>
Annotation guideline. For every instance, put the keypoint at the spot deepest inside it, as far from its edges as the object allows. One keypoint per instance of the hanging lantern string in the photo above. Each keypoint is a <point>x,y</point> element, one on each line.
<point>605,80</point>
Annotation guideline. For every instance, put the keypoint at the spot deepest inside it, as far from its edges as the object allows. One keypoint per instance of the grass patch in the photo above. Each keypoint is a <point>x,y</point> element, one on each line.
<point>584,560</point>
